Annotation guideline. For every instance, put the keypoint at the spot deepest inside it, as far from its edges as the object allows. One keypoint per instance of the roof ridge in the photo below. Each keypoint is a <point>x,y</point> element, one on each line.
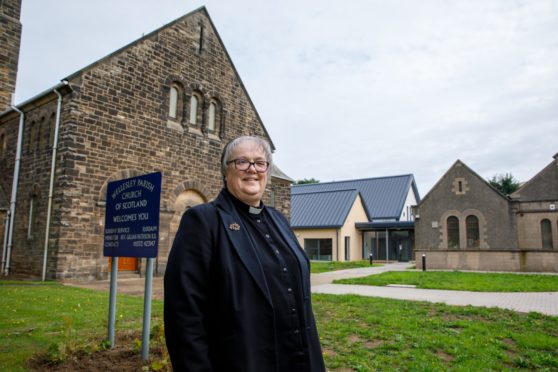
<point>325,191</point>
<point>354,180</point>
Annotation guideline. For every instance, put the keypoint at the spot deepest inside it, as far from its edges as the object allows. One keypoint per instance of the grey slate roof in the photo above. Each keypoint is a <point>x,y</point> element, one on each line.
<point>321,209</point>
<point>278,173</point>
<point>383,198</point>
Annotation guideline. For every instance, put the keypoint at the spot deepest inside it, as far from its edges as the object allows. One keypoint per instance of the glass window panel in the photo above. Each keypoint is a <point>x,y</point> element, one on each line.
<point>546,232</point>
<point>311,248</point>
<point>193,109</point>
<point>473,237</point>
<point>173,102</point>
<point>211,120</point>
<point>453,232</point>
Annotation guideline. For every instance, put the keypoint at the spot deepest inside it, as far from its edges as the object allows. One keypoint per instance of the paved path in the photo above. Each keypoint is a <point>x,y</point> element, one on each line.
<point>542,302</point>
<point>328,277</point>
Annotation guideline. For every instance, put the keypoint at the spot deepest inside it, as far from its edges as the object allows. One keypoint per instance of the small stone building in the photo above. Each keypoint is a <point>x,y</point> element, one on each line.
<point>167,102</point>
<point>464,223</point>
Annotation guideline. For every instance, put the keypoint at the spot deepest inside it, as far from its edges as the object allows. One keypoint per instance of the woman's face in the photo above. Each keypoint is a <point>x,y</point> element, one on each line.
<point>248,186</point>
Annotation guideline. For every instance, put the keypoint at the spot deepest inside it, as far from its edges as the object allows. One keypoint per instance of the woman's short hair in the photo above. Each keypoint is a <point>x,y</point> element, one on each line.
<point>229,149</point>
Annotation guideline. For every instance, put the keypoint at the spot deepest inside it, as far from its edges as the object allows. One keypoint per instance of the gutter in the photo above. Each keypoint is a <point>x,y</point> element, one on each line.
<point>52,171</point>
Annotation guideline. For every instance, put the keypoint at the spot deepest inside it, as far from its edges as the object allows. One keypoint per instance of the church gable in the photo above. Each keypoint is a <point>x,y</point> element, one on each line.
<point>461,187</point>
<point>180,75</point>
<point>461,212</point>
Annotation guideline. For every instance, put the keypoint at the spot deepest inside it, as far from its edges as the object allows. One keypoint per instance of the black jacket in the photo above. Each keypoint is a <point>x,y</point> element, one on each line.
<point>218,311</point>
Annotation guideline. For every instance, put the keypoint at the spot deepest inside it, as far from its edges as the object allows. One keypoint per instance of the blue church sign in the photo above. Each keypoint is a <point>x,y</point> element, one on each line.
<point>132,216</point>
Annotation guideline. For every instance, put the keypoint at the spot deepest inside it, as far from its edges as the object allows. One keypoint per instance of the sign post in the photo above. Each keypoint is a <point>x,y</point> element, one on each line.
<point>132,230</point>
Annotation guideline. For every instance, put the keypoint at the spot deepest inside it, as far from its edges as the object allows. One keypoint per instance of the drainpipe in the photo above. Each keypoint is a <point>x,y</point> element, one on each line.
<point>6,266</point>
<point>52,171</point>
<point>387,245</point>
<point>6,228</point>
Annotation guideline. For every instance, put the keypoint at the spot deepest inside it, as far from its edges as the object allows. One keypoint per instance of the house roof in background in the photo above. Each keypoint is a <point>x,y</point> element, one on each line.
<point>382,197</point>
<point>321,209</point>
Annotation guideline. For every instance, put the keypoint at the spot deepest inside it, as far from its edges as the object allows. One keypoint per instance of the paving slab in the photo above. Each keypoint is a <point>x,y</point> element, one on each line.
<point>541,302</point>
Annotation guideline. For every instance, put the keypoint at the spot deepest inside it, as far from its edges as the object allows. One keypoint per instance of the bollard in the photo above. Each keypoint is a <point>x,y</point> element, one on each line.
<point>371,259</point>
<point>423,262</point>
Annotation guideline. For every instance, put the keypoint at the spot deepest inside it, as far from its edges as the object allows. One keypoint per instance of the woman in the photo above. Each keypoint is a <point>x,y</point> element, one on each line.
<point>237,283</point>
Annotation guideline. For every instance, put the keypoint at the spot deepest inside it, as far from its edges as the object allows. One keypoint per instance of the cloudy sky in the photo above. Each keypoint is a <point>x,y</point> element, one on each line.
<point>356,88</point>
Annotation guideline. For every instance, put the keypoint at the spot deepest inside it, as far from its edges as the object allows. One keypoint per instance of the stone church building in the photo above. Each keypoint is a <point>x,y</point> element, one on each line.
<point>167,102</point>
<point>464,223</point>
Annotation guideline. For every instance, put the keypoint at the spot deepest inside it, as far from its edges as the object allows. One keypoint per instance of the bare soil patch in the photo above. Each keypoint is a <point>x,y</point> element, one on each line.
<point>122,358</point>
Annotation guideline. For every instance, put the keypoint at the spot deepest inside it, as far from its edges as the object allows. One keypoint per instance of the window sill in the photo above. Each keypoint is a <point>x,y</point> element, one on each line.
<point>213,137</point>
<point>175,126</point>
<point>195,131</point>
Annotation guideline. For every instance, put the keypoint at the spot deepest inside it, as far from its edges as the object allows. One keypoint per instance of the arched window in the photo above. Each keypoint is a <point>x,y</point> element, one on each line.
<point>546,234</point>
<point>211,117</point>
<point>2,144</point>
<point>43,133</point>
<point>193,109</point>
<point>32,136</point>
<point>473,236</point>
<point>453,232</point>
<point>52,128</point>
<point>173,102</point>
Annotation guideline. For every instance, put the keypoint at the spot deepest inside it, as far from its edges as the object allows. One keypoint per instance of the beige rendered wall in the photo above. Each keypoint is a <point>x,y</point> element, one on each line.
<point>356,214</point>
<point>302,234</point>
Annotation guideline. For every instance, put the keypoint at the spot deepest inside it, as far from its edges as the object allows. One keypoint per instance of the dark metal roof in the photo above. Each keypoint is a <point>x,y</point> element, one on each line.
<point>321,209</point>
<point>383,197</point>
<point>393,225</point>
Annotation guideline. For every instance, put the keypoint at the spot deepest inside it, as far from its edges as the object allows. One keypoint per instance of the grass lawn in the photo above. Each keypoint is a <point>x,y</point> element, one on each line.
<point>463,281</point>
<point>38,316</point>
<point>322,266</point>
<point>357,333</point>
<point>367,334</point>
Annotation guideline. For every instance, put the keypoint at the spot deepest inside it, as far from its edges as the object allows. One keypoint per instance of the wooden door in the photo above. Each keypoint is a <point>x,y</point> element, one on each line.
<point>126,263</point>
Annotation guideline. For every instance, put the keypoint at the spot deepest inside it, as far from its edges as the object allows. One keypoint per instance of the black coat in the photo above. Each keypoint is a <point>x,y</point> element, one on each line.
<point>218,310</point>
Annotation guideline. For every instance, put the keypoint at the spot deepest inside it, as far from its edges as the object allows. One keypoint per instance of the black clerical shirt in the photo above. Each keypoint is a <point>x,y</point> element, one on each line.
<point>282,273</point>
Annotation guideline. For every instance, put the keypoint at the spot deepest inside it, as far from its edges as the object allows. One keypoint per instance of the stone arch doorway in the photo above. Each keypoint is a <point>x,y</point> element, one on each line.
<point>184,201</point>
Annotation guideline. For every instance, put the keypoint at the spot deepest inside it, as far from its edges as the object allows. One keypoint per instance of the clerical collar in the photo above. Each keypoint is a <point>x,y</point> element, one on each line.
<point>245,207</point>
<point>254,210</point>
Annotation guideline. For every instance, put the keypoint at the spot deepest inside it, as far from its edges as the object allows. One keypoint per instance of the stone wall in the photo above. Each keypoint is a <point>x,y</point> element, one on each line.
<point>492,260</point>
<point>281,191</point>
<point>10,38</point>
<point>33,187</point>
<point>460,193</point>
<point>116,124</point>
<point>530,215</point>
